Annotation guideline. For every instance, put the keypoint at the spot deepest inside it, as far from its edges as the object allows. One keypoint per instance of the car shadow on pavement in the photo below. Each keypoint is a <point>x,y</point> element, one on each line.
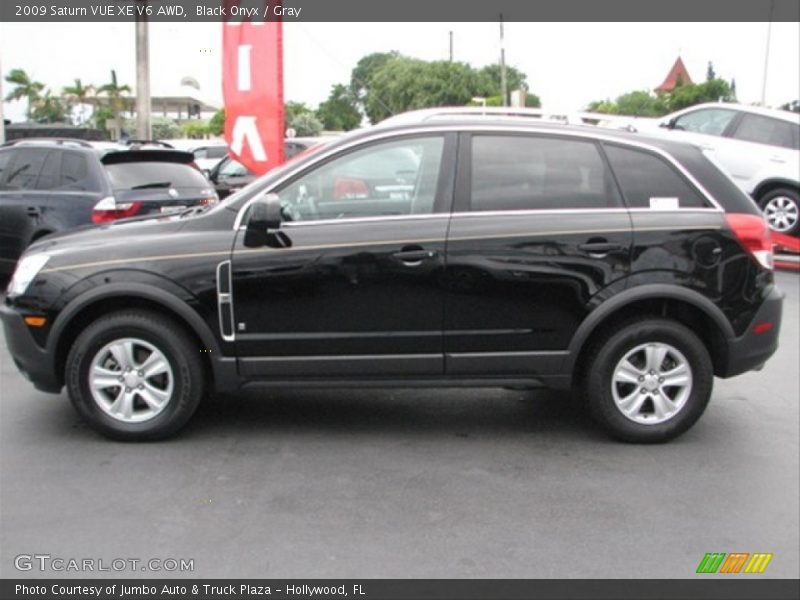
<point>418,412</point>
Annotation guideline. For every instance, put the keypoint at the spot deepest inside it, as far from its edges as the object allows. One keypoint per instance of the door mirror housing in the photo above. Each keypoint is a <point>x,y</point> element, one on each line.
<point>265,213</point>
<point>263,220</point>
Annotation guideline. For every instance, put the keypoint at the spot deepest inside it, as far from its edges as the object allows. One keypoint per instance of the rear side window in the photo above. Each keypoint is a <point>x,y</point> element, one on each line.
<point>126,176</point>
<point>538,173</point>
<point>764,130</point>
<point>5,157</point>
<point>648,181</point>
<point>24,170</point>
<point>49,175</point>
<point>75,173</point>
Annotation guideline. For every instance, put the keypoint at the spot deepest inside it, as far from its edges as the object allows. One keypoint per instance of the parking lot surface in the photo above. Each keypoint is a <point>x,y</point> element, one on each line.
<point>410,483</point>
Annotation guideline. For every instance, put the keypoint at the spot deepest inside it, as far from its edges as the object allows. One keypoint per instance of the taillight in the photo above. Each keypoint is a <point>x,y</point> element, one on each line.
<point>109,210</point>
<point>753,234</point>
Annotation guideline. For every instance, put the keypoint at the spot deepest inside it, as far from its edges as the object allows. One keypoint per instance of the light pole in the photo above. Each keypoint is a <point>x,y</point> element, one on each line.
<point>144,125</point>
<point>503,81</point>
<point>766,55</point>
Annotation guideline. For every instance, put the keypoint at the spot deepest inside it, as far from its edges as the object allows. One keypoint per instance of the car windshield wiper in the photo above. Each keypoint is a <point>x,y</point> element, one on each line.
<point>157,184</point>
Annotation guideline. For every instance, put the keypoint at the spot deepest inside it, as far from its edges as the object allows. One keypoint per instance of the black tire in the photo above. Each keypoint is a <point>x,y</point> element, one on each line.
<point>790,196</point>
<point>608,351</point>
<point>181,354</point>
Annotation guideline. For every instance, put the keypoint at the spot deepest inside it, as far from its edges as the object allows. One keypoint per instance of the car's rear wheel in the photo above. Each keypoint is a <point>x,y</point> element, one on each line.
<point>135,376</point>
<point>781,208</point>
<point>648,381</point>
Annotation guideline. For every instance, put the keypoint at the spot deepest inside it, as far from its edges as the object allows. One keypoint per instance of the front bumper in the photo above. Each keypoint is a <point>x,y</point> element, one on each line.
<point>751,350</point>
<point>33,361</point>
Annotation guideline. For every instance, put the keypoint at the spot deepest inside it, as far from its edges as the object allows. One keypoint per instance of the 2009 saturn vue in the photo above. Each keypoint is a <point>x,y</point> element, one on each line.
<point>451,253</point>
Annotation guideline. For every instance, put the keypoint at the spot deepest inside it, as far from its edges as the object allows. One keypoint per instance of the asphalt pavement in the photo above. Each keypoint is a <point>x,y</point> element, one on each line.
<point>409,483</point>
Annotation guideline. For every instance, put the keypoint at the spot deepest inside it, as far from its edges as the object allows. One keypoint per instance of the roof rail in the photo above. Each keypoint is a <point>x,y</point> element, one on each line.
<point>46,140</point>
<point>489,112</point>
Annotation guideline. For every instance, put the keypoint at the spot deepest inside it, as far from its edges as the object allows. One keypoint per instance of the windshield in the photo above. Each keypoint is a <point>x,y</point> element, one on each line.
<point>126,176</point>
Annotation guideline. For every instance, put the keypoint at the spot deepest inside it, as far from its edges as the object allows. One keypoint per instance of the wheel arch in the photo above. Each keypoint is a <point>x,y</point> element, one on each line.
<point>772,184</point>
<point>659,300</point>
<point>114,297</point>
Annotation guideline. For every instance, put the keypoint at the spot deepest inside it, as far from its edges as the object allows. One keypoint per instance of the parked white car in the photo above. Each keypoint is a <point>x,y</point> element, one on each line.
<point>759,147</point>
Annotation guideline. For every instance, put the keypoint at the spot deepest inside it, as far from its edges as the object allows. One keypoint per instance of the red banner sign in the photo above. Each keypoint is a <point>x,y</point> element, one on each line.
<point>252,86</point>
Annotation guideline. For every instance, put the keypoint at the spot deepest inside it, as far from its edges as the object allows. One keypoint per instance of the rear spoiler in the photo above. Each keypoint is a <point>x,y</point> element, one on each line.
<point>130,156</point>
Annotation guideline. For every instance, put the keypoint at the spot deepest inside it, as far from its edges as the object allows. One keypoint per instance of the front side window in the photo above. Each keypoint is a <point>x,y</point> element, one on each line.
<point>384,179</point>
<point>648,181</point>
<point>711,121</point>
<point>764,130</point>
<point>539,173</point>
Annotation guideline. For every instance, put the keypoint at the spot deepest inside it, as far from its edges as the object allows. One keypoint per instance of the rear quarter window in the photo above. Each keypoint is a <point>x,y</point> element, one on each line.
<point>126,176</point>
<point>649,181</point>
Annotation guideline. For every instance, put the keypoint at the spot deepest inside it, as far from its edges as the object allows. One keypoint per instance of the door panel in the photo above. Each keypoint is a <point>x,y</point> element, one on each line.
<point>350,283</point>
<point>342,290</point>
<point>519,281</point>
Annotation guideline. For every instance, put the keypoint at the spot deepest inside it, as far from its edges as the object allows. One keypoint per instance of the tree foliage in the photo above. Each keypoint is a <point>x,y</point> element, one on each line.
<point>193,129</point>
<point>216,126</point>
<point>48,109</point>
<point>641,103</point>
<point>306,124</point>
<point>387,83</point>
<point>491,80</point>
<point>24,88</point>
<point>78,95</point>
<point>339,112</point>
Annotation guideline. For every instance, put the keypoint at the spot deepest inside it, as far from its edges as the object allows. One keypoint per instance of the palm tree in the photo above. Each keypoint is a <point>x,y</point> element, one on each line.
<point>49,109</point>
<point>116,94</point>
<point>78,94</point>
<point>25,88</point>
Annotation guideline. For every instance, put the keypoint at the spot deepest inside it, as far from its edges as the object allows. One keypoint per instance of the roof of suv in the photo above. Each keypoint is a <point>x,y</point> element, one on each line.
<point>783,115</point>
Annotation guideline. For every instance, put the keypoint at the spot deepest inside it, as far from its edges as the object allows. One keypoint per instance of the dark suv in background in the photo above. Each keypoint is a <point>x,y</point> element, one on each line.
<point>52,185</point>
<point>477,253</point>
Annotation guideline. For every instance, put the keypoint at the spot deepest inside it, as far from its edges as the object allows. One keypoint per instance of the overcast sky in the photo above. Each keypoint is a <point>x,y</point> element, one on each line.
<point>568,64</point>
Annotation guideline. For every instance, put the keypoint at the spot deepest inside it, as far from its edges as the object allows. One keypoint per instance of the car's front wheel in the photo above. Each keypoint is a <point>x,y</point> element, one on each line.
<point>781,208</point>
<point>135,375</point>
<point>649,380</point>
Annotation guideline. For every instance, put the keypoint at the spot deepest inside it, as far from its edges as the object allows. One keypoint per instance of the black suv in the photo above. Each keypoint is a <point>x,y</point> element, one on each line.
<point>52,185</point>
<point>502,254</point>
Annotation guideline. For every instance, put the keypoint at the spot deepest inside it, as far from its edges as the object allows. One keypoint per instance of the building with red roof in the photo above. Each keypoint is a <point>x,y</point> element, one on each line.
<point>678,70</point>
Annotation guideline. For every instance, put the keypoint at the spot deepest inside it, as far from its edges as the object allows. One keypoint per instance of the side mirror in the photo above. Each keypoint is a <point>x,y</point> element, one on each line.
<point>207,173</point>
<point>264,218</point>
<point>265,213</point>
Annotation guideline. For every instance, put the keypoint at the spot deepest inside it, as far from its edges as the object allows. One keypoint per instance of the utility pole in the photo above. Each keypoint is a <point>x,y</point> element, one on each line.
<point>451,46</point>
<point>766,55</point>
<point>503,81</point>
<point>144,125</point>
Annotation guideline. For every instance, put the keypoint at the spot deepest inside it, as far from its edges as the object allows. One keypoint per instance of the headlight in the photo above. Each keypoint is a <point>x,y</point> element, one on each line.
<point>27,269</point>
